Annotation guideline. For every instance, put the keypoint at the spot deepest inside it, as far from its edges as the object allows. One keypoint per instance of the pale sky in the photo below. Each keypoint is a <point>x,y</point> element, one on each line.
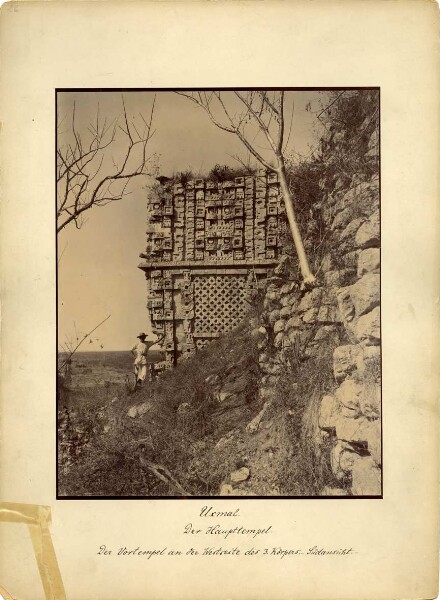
<point>98,272</point>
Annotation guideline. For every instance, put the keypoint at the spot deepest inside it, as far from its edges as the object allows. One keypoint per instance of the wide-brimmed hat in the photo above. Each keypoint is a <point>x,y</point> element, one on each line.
<point>142,335</point>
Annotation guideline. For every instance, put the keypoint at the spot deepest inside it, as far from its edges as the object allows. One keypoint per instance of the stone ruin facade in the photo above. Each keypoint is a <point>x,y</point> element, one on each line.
<point>209,244</point>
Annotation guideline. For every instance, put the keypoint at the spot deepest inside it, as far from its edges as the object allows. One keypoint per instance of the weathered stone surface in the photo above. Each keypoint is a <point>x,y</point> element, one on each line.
<point>368,235</point>
<point>285,312</point>
<point>361,433</point>
<point>285,300</point>
<point>345,360</point>
<point>365,293</point>
<point>368,261</point>
<point>132,412</point>
<point>294,321</point>
<point>310,315</point>
<point>349,395</point>
<point>342,218</point>
<point>359,298</point>
<point>279,340</point>
<point>310,300</point>
<point>240,475</point>
<point>226,490</point>
<point>350,231</point>
<point>327,412</point>
<point>367,328</point>
<point>342,460</point>
<point>366,478</point>
<point>279,326</point>
<point>328,314</point>
<point>274,315</point>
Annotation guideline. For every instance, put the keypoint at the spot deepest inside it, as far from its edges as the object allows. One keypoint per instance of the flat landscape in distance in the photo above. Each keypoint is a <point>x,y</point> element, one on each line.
<point>92,369</point>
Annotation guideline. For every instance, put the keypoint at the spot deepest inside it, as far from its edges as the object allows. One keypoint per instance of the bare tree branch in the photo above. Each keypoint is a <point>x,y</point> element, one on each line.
<point>266,114</point>
<point>88,174</point>
<point>73,349</point>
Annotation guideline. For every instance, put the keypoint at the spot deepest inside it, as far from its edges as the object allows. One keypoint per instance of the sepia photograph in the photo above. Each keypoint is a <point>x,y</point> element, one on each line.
<point>218,293</point>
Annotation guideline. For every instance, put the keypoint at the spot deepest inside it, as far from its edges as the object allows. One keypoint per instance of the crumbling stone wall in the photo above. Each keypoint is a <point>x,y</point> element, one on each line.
<point>342,314</point>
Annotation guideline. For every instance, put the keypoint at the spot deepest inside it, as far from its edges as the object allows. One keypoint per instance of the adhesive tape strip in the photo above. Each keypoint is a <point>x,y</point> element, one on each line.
<point>38,518</point>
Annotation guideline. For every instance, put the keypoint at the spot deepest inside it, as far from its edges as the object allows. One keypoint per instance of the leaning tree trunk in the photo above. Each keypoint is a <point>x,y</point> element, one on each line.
<point>308,277</point>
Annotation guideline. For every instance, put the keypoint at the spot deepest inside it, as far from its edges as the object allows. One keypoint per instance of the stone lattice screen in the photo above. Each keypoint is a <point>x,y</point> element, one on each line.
<point>208,246</point>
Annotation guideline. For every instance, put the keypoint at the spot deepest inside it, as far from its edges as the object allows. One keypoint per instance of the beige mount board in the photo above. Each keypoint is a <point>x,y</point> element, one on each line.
<point>88,549</point>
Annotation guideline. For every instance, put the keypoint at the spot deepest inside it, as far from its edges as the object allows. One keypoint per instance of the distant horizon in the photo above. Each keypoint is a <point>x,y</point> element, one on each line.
<point>102,351</point>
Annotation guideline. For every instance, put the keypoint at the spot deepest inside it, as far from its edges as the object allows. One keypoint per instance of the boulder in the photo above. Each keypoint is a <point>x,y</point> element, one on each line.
<point>366,478</point>
<point>368,261</point>
<point>359,298</point>
<point>310,300</point>
<point>226,490</point>
<point>132,412</point>
<point>294,321</point>
<point>345,359</point>
<point>279,326</point>
<point>360,433</point>
<point>310,315</point>
<point>351,230</point>
<point>367,328</point>
<point>139,410</point>
<point>368,235</point>
<point>349,395</point>
<point>342,460</point>
<point>240,475</point>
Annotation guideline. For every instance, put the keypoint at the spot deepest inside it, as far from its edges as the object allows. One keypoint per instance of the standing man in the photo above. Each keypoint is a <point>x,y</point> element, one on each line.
<point>140,351</point>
